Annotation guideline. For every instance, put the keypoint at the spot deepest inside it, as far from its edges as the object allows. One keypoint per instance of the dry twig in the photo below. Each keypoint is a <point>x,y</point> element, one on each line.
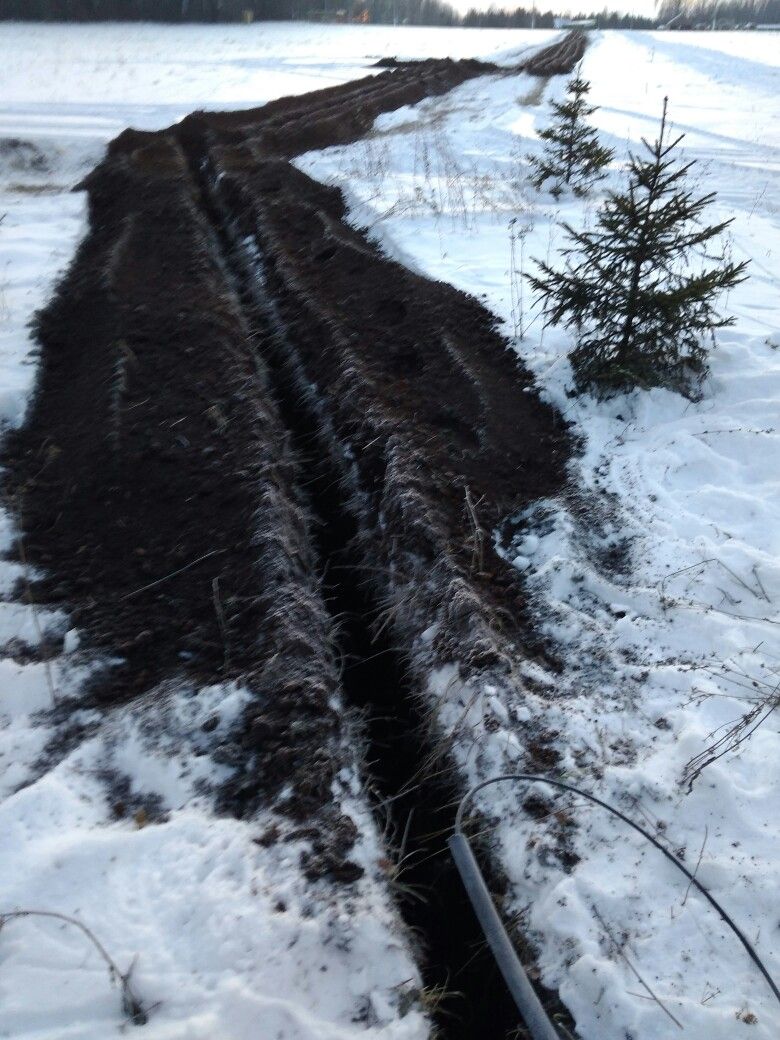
<point>131,1003</point>
<point>620,952</point>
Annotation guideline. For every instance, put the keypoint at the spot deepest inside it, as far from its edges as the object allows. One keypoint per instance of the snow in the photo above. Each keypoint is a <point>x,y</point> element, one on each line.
<point>101,78</point>
<point>656,575</point>
<point>758,47</point>
<point>231,940</point>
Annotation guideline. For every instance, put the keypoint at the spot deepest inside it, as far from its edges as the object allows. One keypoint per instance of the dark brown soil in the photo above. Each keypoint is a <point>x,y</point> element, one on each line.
<point>256,445</point>
<point>446,436</point>
<point>558,59</point>
<point>153,478</point>
<point>260,451</point>
<point>155,485</point>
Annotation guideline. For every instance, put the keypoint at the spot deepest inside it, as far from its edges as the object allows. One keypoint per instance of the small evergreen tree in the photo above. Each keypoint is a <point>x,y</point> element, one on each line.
<point>641,288</point>
<point>572,155</point>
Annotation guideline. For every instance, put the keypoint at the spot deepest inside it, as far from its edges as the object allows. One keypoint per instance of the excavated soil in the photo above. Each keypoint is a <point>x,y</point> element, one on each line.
<point>414,401</point>
<point>252,429</point>
<point>156,489</point>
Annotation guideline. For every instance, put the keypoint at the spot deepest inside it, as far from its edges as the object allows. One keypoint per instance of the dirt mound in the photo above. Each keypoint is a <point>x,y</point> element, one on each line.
<point>154,479</point>
<point>445,436</point>
<point>560,58</point>
<point>157,490</point>
<point>557,59</point>
<point>345,113</point>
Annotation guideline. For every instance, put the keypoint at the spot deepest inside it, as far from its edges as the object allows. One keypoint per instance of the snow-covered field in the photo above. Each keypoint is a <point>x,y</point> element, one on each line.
<point>93,81</point>
<point>657,577</point>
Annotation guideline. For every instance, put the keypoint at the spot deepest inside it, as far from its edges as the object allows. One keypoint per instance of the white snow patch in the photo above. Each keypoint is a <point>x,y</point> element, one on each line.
<point>657,575</point>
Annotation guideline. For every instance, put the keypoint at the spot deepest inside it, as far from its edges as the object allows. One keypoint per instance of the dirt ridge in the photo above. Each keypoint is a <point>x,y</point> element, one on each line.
<point>219,308</point>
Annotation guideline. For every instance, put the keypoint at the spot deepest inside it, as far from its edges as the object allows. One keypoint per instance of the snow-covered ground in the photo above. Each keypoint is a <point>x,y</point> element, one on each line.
<point>93,81</point>
<point>657,575</point>
<point>761,47</point>
<point>231,939</point>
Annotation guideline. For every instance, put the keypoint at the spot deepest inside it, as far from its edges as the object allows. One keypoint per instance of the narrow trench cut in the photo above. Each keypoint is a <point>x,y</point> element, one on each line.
<point>415,804</point>
<point>414,784</point>
<point>281,236</point>
<point>457,967</point>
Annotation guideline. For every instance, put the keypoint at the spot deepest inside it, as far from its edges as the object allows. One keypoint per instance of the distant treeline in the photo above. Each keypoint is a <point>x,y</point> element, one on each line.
<point>413,12</point>
<point>410,12</point>
<point>734,12</point>
<point>522,18</point>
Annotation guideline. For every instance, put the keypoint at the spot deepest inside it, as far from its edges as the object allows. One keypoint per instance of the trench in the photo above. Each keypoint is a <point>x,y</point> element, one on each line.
<point>138,517</point>
<point>414,805</point>
<point>462,986</point>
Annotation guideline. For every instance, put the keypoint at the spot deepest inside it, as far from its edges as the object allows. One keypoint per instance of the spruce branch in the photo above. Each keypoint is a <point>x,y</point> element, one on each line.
<point>641,289</point>
<point>572,156</point>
